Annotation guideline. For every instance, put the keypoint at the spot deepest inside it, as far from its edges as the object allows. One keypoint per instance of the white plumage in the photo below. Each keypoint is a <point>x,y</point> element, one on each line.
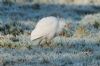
<point>47,28</point>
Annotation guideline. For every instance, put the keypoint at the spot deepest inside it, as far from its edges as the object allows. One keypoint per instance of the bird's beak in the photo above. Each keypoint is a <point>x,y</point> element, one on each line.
<point>65,25</point>
<point>68,25</point>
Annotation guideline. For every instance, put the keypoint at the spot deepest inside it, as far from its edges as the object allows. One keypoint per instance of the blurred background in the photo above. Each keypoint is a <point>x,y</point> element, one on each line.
<point>30,9</point>
<point>95,2</point>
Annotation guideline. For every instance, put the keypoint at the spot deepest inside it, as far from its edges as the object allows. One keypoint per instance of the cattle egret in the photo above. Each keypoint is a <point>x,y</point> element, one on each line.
<point>47,28</point>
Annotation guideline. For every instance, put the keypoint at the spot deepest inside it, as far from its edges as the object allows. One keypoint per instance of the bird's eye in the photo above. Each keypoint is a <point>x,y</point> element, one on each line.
<point>65,26</point>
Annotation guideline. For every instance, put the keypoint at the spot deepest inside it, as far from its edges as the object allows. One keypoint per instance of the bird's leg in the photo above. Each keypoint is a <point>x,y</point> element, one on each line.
<point>40,43</point>
<point>43,42</point>
<point>61,33</point>
<point>48,42</point>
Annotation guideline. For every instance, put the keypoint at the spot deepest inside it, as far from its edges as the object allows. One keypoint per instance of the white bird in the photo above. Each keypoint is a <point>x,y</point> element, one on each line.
<point>47,28</point>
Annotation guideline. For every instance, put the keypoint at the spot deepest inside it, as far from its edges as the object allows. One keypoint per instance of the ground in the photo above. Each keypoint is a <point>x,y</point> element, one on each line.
<point>80,46</point>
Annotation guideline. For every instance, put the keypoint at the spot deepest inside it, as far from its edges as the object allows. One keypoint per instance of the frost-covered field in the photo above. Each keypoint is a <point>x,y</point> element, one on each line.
<point>80,46</point>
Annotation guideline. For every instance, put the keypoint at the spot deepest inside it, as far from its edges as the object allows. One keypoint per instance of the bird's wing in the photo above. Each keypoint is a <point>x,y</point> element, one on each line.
<point>41,31</point>
<point>44,27</point>
<point>35,35</point>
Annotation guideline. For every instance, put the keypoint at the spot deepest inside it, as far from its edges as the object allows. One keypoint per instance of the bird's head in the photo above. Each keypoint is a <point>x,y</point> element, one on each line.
<point>62,24</point>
